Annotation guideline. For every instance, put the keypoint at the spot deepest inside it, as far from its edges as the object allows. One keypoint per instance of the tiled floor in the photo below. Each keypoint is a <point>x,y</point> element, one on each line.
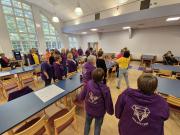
<point>110,124</point>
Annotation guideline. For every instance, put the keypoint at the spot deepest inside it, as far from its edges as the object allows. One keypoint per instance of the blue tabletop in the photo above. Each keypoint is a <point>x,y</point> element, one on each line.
<point>20,109</point>
<point>147,57</point>
<point>19,70</point>
<point>169,87</point>
<point>166,67</point>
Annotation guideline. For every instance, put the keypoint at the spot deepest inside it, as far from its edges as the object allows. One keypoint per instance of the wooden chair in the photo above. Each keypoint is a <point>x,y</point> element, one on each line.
<point>26,79</point>
<point>178,76</point>
<point>37,126</point>
<point>174,103</point>
<point>164,73</point>
<point>6,69</point>
<point>9,86</point>
<point>37,72</point>
<point>62,119</point>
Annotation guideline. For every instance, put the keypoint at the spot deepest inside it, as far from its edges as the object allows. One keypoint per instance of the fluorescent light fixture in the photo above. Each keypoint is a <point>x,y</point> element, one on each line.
<point>78,11</point>
<point>84,33</point>
<point>55,19</point>
<point>94,29</point>
<point>126,28</point>
<point>172,19</point>
<point>122,1</point>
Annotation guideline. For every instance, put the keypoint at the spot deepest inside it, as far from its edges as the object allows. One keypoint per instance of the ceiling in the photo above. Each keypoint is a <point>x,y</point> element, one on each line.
<point>65,8</point>
<point>153,17</point>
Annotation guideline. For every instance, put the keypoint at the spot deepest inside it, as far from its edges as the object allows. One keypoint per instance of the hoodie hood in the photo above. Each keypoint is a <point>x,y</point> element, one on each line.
<point>140,97</point>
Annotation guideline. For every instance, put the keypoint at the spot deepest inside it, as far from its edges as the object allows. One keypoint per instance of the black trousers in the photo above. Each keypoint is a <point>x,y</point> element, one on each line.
<point>47,82</point>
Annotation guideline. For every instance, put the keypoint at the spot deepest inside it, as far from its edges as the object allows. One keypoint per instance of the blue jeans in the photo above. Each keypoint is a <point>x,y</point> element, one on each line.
<point>123,72</point>
<point>98,124</point>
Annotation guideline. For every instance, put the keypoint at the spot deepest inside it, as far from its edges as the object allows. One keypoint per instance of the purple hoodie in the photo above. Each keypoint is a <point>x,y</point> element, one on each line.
<point>141,114</point>
<point>80,52</point>
<point>58,70</point>
<point>64,58</point>
<point>72,66</point>
<point>86,71</point>
<point>97,98</point>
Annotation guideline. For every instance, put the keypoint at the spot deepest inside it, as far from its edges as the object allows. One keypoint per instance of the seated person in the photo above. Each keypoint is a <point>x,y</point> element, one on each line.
<point>88,67</point>
<point>169,58</point>
<point>4,61</point>
<point>143,109</point>
<point>58,68</point>
<point>71,63</point>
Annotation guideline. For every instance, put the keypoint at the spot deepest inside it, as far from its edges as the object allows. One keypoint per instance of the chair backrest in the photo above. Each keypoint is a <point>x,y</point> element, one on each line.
<point>6,69</point>
<point>36,127</point>
<point>174,101</point>
<point>167,73</point>
<point>177,75</point>
<point>25,75</point>
<point>64,119</point>
<point>26,78</point>
<point>9,86</point>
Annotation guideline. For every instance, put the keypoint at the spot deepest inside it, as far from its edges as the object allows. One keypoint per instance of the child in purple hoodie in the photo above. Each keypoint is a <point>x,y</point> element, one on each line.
<point>88,67</point>
<point>71,64</point>
<point>142,111</point>
<point>98,101</point>
<point>58,68</point>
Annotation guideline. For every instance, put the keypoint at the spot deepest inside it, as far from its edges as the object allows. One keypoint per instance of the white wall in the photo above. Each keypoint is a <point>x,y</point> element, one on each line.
<point>144,41</point>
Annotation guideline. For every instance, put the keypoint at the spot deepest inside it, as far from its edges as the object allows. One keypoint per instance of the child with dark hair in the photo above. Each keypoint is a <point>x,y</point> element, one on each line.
<point>98,101</point>
<point>100,63</point>
<point>143,109</point>
<point>123,63</point>
<point>58,68</point>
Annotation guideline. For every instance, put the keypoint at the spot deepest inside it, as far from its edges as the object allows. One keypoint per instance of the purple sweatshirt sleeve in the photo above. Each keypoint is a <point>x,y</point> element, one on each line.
<point>165,110</point>
<point>109,102</point>
<point>120,103</point>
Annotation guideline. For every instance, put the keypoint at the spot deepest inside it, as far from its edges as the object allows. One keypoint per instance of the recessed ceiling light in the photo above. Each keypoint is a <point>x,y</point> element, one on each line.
<point>126,28</point>
<point>84,33</point>
<point>172,19</point>
<point>55,19</point>
<point>94,29</point>
<point>78,11</point>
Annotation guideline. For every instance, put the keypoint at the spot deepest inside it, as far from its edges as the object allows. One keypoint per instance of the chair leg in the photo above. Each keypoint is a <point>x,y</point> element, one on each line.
<point>74,124</point>
<point>48,131</point>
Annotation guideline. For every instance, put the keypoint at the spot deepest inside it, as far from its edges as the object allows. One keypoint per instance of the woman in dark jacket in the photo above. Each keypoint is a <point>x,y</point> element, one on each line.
<point>100,63</point>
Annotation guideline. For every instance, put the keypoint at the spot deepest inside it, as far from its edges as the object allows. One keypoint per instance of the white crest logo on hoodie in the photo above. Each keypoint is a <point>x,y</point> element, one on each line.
<point>92,98</point>
<point>140,113</point>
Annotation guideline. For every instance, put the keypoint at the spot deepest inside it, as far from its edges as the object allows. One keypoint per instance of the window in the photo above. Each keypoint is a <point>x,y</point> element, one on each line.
<point>20,25</point>
<point>51,36</point>
<point>73,42</point>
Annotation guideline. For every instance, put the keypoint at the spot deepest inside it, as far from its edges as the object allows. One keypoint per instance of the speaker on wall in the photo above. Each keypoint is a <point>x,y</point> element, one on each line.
<point>145,4</point>
<point>97,16</point>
